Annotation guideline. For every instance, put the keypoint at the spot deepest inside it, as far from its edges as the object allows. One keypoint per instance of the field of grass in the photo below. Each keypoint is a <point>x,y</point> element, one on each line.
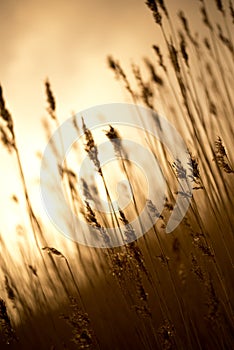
<point>162,290</point>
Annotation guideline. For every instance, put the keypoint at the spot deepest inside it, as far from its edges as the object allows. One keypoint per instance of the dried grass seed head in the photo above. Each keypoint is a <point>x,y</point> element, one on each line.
<point>231,8</point>
<point>7,129</point>
<point>205,18</point>
<point>183,49</point>
<point>219,5</point>
<point>90,147</point>
<point>155,78</point>
<point>163,7</point>
<point>160,57</point>
<point>152,4</point>
<point>50,99</point>
<point>174,57</point>
<point>115,138</point>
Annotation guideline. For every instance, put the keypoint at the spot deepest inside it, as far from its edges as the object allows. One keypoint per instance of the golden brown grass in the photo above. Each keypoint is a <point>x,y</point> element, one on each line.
<point>161,291</point>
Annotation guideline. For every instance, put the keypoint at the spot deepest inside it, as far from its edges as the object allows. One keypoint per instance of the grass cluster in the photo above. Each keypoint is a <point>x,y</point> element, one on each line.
<point>161,291</point>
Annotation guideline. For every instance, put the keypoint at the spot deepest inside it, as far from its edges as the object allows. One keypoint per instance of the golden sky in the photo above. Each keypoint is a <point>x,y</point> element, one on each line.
<point>68,41</point>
